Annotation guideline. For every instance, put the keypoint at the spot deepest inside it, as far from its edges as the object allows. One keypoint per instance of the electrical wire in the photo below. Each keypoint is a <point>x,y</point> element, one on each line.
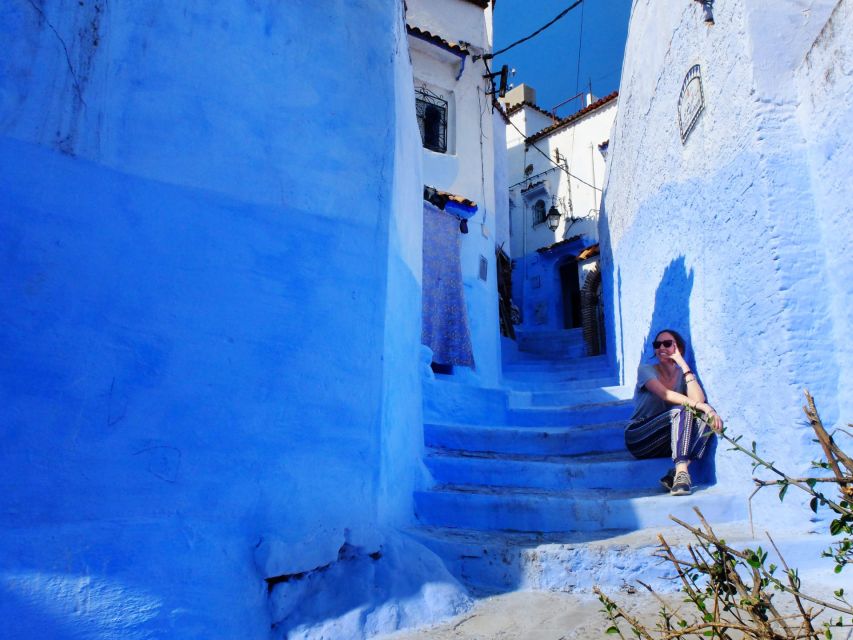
<point>533,177</point>
<point>558,166</point>
<point>485,58</point>
<point>489,56</point>
<point>482,154</point>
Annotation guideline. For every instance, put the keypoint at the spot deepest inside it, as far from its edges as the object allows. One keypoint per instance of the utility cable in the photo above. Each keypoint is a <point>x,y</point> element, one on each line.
<point>559,166</point>
<point>482,154</point>
<point>530,144</point>
<point>489,56</point>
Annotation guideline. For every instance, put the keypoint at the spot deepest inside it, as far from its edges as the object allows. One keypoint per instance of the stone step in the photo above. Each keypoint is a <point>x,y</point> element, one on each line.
<point>532,361</point>
<point>543,441</point>
<point>547,383</point>
<point>573,415</point>
<point>557,380</point>
<point>560,472</point>
<point>487,508</point>
<point>489,562</point>
<point>445,401</point>
<point>568,397</point>
<point>458,403</point>
<point>548,342</point>
<point>552,351</point>
<point>557,372</point>
<point>549,334</point>
<point>567,369</point>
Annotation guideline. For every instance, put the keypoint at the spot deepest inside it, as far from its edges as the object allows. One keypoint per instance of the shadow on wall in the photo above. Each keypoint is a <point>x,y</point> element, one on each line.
<point>672,311</point>
<point>672,308</point>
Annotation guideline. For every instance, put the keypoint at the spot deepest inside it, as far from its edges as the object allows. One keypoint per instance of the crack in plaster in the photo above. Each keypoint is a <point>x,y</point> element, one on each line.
<point>78,89</point>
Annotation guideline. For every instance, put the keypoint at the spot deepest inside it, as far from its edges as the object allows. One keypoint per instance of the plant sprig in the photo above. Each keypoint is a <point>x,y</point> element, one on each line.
<point>730,593</point>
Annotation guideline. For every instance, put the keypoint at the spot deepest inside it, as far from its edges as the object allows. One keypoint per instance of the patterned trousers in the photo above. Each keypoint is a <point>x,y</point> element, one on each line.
<point>676,433</point>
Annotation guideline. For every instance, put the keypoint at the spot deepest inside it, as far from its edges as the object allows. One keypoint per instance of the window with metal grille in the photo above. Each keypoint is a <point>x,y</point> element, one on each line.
<point>539,212</point>
<point>432,119</point>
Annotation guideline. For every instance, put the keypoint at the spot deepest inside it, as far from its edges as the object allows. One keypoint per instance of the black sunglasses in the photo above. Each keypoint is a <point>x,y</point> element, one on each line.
<point>657,344</point>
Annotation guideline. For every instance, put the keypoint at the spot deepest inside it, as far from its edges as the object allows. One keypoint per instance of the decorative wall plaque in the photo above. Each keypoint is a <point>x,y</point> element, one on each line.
<point>691,102</point>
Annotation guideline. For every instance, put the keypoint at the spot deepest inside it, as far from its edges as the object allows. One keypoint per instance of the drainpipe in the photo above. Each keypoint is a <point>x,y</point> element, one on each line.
<point>592,164</point>
<point>461,68</point>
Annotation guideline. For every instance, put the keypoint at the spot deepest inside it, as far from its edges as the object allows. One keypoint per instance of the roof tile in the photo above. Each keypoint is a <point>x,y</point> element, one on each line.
<point>423,34</point>
<point>575,116</point>
<point>438,198</point>
<point>526,103</point>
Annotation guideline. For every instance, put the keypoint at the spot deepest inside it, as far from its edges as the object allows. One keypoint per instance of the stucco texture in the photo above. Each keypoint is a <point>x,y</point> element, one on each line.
<point>733,236</point>
<point>205,227</point>
<point>469,168</point>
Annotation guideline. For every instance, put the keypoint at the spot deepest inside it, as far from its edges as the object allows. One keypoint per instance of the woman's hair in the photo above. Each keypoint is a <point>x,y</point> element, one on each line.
<point>679,341</point>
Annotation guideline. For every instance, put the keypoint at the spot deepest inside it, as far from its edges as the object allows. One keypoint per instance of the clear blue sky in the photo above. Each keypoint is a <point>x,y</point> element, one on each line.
<point>549,62</point>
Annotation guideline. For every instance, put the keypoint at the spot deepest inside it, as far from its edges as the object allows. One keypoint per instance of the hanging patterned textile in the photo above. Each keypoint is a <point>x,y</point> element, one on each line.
<point>445,316</point>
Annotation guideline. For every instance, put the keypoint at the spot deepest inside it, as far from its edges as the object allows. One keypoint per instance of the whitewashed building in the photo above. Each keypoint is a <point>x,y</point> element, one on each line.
<point>555,166</point>
<point>462,174</point>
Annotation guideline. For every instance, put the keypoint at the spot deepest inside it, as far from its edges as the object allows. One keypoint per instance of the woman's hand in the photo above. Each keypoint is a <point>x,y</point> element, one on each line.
<point>678,359</point>
<point>714,421</point>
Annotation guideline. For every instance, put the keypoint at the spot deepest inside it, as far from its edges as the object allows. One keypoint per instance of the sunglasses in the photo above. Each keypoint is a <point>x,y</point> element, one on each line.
<point>657,344</point>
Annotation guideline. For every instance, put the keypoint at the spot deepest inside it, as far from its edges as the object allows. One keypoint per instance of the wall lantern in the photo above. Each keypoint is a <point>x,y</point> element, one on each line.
<point>707,11</point>
<point>553,217</point>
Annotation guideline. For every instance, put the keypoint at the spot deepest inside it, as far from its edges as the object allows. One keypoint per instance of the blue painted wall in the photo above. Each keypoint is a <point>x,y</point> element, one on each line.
<point>734,236</point>
<point>209,248</point>
<point>538,285</point>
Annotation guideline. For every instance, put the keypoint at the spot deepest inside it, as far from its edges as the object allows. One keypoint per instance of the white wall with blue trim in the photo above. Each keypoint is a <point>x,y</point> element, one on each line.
<point>470,167</point>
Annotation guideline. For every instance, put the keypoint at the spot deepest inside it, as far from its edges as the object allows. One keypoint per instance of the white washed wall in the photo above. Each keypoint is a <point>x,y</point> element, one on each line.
<point>732,236</point>
<point>454,20</point>
<point>534,282</point>
<point>469,168</point>
<point>579,144</point>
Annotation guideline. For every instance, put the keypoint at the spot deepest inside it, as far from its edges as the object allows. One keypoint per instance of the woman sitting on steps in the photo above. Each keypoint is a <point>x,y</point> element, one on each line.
<point>657,428</point>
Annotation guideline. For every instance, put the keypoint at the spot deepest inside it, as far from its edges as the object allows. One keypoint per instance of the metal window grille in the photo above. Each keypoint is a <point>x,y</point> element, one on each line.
<point>432,119</point>
<point>539,212</point>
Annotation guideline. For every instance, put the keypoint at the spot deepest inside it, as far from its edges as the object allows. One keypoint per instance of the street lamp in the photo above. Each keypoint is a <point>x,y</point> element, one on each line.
<point>553,217</point>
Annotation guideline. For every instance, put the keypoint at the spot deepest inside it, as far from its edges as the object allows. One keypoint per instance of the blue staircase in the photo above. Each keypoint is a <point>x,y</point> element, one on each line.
<point>538,467</point>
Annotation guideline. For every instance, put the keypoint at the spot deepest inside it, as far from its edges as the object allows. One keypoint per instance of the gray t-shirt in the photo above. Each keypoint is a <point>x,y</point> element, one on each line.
<point>647,404</point>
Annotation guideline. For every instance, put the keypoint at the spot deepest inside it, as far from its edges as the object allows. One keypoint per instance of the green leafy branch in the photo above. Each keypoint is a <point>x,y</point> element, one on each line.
<point>730,593</point>
<point>836,461</point>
